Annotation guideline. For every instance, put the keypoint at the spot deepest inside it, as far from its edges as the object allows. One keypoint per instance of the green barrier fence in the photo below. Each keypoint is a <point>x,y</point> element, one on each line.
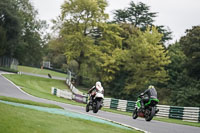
<point>114,103</point>
<point>130,106</point>
<point>176,112</point>
<point>55,91</point>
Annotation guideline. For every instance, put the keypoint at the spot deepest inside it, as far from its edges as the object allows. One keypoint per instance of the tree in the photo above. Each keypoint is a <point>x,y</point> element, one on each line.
<point>184,70</point>
<point>2,41</point>
<point>191,48</point>
<point>10,27</point>
<point>80,19</point>
<point>21,31</point>
<point>139,15</point>
<point>146,61</point>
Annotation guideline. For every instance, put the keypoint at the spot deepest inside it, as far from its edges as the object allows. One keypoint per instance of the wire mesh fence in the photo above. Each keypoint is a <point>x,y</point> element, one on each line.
<point>8,62</point>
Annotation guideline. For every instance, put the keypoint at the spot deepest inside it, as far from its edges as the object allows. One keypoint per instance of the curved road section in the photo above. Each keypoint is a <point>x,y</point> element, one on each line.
<point>7,88</point>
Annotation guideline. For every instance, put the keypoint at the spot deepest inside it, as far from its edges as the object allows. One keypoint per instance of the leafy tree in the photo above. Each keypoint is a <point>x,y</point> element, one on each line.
<point>2,41</point>
<point>146,61</point>
<point>176,67</point>
<point>21,31</point>
<point>183,71</point>
<point>10,27</point>
<point>139,15</point>
<point>191,47</point>
<point>79,19</point>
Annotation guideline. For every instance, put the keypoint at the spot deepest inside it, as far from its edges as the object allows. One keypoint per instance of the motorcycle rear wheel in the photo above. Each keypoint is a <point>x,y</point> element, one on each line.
<point>151,114</point>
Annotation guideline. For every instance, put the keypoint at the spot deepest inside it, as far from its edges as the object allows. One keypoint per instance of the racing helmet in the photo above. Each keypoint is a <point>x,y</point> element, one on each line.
<point>98,84</point>
<point>151,86</point>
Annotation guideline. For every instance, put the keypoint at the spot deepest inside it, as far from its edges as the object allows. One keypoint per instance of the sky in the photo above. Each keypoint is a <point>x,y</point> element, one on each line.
<point>177,15</point>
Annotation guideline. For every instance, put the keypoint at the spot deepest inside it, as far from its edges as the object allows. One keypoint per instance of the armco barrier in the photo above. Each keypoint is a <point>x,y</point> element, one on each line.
<point>199,114</point>
<point>79,98</point>
<point>183,113</point>
<point>61,93</point>
<point>114,103</point>
<point>73,89</point>
<point>130,106</point>
<point>176,112</point>
<point>122,105</point>
<point>107,102</point>
<point>163,110</point>
<point>191,114</point>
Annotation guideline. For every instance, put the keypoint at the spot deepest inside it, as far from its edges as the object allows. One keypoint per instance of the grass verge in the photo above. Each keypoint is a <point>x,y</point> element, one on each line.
<point>16,100</point>
<point>169,120</point>
<point>40,71</point>
<point>22,120</point>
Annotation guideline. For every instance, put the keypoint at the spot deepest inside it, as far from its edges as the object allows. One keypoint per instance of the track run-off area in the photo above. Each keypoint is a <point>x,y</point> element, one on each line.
<point>7,88</point>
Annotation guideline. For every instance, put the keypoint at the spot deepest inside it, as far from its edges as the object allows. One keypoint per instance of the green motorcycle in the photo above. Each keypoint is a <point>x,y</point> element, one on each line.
<point>149,110</point>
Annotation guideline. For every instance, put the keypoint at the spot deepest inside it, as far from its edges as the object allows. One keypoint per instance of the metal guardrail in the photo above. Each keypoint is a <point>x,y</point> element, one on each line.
<point>183,113</point>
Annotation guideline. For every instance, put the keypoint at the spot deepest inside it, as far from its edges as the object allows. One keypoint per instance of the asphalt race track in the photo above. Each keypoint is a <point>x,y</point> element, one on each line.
<point>9,89</point>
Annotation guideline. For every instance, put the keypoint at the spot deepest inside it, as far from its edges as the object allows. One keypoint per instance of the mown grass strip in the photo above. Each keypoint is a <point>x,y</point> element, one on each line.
<point>23,120</point>
<point>16,100</point>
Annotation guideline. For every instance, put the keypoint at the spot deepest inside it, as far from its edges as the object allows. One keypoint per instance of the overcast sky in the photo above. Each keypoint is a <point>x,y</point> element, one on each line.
<point>178,15</point>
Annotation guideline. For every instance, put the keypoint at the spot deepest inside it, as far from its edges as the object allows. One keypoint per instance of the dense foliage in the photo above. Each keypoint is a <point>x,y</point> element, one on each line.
<point>139,15</point>
<point>126,54</point>
<point>184,70</point>
<point>98,50</point>
<point>20,32</point>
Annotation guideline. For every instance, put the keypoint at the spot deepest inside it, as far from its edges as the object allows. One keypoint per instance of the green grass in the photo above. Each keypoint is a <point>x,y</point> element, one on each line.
<point>169,120</point>
<point>40,87</point>
<point>23,120</point>
<point>40,71</point>
<point>9,99</point>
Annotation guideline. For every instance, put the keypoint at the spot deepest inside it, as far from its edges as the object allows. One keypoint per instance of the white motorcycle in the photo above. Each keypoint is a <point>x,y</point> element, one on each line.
<point>97,103</point>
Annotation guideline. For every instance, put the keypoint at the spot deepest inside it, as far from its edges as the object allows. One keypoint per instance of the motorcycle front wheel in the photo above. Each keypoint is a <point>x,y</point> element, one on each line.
<point>87,107</point>
<point>135,115</point>
<point>95,107</point>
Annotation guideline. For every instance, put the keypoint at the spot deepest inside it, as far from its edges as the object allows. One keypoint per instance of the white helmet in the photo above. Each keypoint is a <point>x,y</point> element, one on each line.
<point>98,85</point>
